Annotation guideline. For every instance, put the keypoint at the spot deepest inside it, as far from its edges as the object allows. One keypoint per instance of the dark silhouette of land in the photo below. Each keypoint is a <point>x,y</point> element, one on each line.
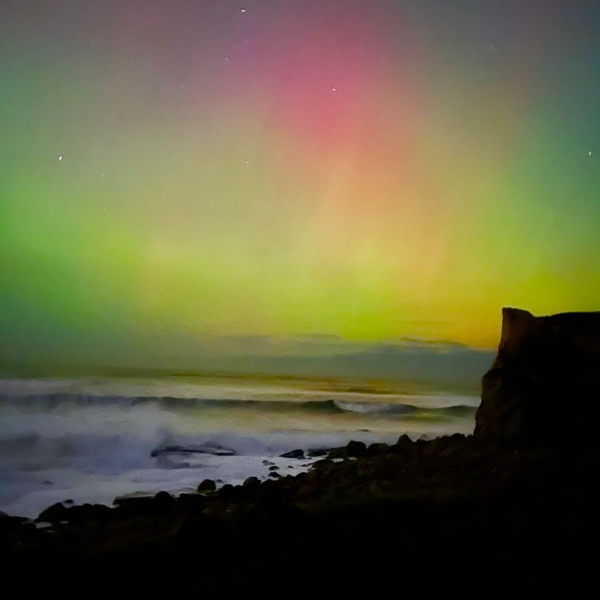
<point>509,510</point>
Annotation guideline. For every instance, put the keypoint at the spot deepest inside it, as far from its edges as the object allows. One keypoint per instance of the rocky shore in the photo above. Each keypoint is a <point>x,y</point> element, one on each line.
<point>512,509</point>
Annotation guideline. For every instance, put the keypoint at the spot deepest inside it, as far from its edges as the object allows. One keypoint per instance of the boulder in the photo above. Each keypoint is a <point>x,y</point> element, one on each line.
<point>91,512</point>
<point>9,524</point>
<point>137,506</point>
<point>293,454</point>
<point>228,491</point>
<point>208,485</point>
<point>164,500</point>
<point>356,448</point>
<point>376,448</point>
<point>53,514</point>
<point>544,386</point>
<point>316,452</point>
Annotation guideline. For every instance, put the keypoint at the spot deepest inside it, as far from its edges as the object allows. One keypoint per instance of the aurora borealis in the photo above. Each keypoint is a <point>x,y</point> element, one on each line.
<point>172,170</point>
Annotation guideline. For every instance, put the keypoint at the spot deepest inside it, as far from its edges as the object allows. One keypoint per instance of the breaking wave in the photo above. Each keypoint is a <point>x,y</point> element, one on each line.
<point>51,402</point>
<point>91,441</point>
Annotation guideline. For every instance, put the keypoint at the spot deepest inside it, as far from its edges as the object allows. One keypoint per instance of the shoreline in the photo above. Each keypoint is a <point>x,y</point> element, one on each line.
<point>511,509</point>
<point>93,448</point>
<point>437,500</point>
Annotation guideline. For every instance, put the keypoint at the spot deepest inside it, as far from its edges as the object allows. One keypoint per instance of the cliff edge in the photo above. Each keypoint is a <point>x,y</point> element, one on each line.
<point>544,386</point>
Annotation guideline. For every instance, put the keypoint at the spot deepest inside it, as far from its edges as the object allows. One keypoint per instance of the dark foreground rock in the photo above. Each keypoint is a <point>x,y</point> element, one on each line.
<point>451,515</point>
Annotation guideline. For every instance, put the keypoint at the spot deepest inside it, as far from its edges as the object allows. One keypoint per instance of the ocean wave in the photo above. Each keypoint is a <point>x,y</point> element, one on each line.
<point>371,407</point>
<point>375,407</point>
<point>68,440</point>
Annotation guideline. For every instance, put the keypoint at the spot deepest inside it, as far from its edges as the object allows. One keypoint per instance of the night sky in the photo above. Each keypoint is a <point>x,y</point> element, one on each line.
<point>175,170</point>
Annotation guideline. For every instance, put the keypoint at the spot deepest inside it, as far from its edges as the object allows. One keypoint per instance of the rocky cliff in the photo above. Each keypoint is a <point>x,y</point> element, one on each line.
<point>544,386</point>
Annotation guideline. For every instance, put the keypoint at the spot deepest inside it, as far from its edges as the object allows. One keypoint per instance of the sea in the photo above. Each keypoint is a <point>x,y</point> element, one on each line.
<point>93,439</point>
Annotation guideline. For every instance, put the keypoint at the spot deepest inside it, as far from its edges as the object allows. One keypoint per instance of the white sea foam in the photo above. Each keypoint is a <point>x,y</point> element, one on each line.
<point>93,440</point>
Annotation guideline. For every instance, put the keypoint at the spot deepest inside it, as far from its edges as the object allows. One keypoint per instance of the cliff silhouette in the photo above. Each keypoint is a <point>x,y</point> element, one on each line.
<point>544,386</point>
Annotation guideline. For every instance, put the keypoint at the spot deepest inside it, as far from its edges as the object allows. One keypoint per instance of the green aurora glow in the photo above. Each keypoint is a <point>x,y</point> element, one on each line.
<point>370,170</point>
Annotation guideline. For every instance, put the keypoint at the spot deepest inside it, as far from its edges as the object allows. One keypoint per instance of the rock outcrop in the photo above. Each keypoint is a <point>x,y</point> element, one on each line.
<point>544,386</point>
